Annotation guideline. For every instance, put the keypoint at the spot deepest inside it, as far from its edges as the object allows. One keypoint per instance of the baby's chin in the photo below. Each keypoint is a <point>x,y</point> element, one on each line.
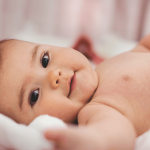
<point>86,84</point>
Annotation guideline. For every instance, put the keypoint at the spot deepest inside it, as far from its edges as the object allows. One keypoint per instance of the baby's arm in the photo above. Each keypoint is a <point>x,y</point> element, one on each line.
<point>100,128</point>
<point>143,46</point>
<point>114,129</point>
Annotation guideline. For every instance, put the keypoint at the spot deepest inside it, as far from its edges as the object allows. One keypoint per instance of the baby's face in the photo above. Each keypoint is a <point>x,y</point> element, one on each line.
<point>41,79</point>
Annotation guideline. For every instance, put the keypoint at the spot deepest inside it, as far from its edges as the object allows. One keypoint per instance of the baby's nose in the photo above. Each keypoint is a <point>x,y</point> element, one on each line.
<point>54,78</point>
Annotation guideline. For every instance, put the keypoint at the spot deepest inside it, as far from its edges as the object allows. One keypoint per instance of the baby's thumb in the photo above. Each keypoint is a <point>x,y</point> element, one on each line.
<point>54,135</point>
<point>59,137</point>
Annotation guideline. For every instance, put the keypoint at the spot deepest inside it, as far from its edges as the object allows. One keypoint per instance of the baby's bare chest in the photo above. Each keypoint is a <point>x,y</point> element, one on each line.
<point>125,79</point>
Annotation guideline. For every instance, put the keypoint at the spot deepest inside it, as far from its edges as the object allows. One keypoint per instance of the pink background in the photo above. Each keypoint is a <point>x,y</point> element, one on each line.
<point>69,18</point>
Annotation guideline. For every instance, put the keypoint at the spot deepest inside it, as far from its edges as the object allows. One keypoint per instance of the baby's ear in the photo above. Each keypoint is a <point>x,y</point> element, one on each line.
<point>146,41</point>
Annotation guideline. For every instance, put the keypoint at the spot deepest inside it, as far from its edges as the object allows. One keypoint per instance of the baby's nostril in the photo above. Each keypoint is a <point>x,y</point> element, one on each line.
<point>57,82</point>
<point>59,73</point>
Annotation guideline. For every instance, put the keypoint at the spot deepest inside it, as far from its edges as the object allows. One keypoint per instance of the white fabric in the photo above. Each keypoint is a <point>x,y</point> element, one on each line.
<point>21,137</point>
<point>143,141</point>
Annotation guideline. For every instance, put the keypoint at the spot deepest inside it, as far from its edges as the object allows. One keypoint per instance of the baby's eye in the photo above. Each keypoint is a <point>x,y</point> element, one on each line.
<point>45,60</point>
<point>33,97</point>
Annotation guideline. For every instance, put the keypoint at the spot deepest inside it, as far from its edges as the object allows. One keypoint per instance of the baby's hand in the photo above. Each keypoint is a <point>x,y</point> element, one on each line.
<point>74,138</point>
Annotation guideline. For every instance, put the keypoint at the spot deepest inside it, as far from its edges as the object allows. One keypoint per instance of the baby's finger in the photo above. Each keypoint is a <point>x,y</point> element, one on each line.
<point>57,137</point>
<point>54,135</point>
<point>63,139</point>
<point>60,134</point>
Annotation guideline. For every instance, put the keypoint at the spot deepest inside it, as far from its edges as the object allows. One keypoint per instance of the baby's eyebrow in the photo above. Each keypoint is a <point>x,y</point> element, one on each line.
<point>34,53</point>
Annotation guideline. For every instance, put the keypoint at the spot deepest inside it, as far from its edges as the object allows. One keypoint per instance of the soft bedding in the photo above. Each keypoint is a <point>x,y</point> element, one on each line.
<point>21,137</point>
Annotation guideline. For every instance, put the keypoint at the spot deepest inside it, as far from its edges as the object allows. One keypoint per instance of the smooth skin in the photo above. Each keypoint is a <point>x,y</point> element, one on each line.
<point>118,91</point>
<point>120,108</point>
<point>22,72</point>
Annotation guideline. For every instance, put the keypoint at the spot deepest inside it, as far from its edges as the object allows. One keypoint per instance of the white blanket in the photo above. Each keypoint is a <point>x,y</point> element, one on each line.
<point>21,137</point>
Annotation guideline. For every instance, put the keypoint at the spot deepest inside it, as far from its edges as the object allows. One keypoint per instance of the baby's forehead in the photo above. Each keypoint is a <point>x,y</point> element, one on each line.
<point>4,46</point>
<point>9,42</point>
<point>13,43</point>
<point>12,47</point>
<point>12,51</point>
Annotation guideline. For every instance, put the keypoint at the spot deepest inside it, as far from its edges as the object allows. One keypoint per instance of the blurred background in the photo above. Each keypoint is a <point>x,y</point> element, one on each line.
<point>114,26</point>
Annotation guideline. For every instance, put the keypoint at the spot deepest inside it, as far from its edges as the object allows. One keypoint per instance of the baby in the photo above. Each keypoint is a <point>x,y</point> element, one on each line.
<point>110,103</point>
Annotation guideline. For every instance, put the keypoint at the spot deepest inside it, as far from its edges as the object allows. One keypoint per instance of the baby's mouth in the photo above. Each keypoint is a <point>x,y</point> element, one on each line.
<point>72,84</point>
